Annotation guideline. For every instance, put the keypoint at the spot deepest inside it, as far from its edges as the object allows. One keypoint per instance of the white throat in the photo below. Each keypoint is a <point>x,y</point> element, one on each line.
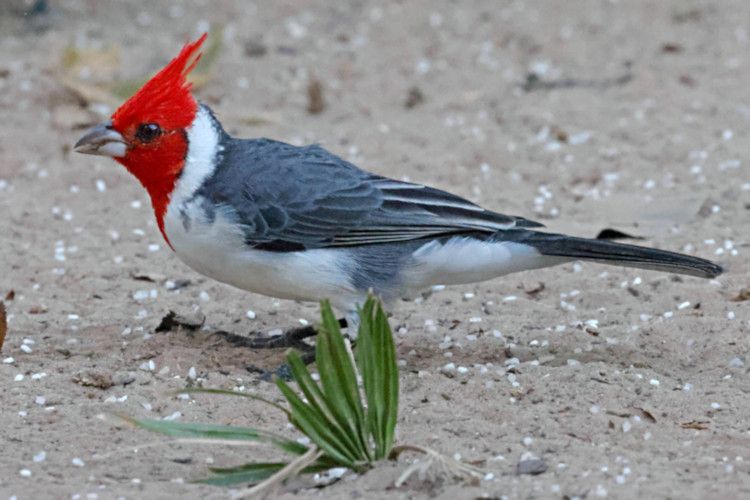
<point>203,149</point>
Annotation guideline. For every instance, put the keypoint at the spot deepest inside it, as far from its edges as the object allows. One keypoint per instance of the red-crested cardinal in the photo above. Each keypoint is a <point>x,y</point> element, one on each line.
<point>301,223</point>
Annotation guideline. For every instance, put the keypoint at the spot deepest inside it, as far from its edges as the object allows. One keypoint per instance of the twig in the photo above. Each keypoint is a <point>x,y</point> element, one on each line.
<point>290,470</point>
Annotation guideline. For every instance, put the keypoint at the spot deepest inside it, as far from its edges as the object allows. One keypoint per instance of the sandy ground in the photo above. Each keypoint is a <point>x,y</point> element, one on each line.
<point>636,119</point>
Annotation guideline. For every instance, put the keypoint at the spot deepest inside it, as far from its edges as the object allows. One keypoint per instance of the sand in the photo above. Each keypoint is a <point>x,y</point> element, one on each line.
<point>584,115</point>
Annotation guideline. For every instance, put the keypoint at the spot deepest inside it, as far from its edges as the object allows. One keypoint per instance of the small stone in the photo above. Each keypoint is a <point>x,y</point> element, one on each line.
<point>532,466</point>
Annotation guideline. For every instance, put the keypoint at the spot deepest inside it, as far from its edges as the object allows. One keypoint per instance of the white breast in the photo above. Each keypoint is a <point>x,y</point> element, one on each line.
<point>216,248</point>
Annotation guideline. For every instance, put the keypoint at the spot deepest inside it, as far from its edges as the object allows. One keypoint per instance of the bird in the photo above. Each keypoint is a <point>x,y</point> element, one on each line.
<point>299,222</point>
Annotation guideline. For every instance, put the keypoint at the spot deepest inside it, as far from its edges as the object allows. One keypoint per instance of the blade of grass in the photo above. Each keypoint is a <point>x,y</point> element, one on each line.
<point>317,412</point>
<point>339,381</point>
<point>380,376</point>
<point>368,366</point>
<point>249,473</point>
<point>201,390</point>
<point>390,380</point>
<point>317,428</point>
<point>210,431</point>
<point>255,473</point>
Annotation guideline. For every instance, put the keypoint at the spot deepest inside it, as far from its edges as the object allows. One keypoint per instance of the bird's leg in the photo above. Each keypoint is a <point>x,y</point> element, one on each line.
<point>290,338</point>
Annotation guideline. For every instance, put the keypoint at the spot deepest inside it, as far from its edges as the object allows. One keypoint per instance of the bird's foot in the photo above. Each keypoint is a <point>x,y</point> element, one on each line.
<point>293,338</point>
<point>290,338</point>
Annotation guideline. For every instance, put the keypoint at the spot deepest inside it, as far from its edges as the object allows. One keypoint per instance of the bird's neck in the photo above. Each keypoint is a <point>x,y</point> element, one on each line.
<point>158,172</point>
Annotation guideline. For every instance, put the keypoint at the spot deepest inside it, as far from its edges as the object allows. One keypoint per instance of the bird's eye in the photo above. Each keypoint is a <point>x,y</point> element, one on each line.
<point>147,132</point>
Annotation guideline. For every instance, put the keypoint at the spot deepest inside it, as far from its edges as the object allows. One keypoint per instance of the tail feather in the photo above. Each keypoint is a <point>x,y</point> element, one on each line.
<point>609,252</point>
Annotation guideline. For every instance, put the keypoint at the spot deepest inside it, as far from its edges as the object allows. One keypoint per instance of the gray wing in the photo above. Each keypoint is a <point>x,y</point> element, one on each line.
<point>291,198</point>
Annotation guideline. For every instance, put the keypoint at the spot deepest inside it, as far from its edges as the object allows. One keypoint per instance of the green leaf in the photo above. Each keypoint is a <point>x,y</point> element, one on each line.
<point>379,375</point>
<point>201,390</point>
<point>319,404</point>
<point>249,473</point>
<point>313,423</point>
<point>339,380</point>
<point>210,431</point>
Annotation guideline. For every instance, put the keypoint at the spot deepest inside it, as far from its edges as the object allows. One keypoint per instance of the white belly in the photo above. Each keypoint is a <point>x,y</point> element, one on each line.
<point>218,250</point>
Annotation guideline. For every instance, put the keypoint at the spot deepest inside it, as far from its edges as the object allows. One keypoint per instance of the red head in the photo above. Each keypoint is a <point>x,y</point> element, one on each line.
<point>147,134</point>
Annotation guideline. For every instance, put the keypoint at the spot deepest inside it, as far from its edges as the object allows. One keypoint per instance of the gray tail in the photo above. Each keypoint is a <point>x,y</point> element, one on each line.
<point>609,252</point>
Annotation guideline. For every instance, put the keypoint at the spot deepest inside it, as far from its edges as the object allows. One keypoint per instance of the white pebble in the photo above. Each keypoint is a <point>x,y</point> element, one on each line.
<point>101,186</point>
<point>40,400</point>
<point>204,296</point>
<point>192,373</point>
<point>251,314</point>
<point>462,369</point>
<point>25,472</point>
<point>527,441</point>
<point>153,247</point>
<point>594,409</point>
<point>687,386</point>
<point>9,360</point>
<point>18,377</point>
<point>173,416</point>
<point>684,305</point>
<point>737,362</point>
<point>654,382</point>
<point>715,406</point>
<point>730,315</point>
<point>26,348</point>
<point>510,298</point>
<point>78,462</point>
<point>626,426</point>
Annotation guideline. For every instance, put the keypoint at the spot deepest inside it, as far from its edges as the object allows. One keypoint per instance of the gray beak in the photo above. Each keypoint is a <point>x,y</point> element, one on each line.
<point>102,140</point>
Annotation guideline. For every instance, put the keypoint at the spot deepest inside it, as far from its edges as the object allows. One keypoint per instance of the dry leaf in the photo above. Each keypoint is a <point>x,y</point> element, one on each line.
<point>151,277</point>
<point>646,414</point>
<point>695,424</point>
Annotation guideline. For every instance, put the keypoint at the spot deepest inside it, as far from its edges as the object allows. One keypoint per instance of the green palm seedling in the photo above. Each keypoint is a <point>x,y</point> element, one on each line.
<point>348,425</point>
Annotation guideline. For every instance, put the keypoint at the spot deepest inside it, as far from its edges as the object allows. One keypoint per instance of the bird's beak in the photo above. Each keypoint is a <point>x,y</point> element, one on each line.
<point>102,140</point>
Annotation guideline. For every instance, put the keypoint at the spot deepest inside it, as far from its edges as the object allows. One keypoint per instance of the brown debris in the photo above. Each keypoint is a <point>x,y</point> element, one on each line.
<point>101,381</point>
<point>173,322</point>
<point>646,414</point>
<point>150,277</point>
<point>255,48</point>
<point>671,48</point>
<point>744,294</point>
<point>414,98</point>
<point>315,101</point>
<point>3,324</point>
<point>536,290</point>
<point>695,424</point>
